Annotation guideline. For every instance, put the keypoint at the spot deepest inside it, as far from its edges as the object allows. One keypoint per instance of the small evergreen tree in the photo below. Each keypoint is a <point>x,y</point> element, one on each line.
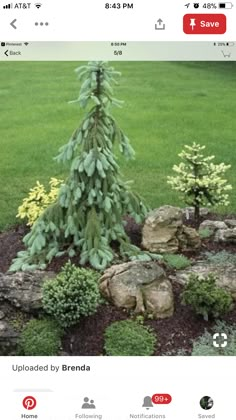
<point>199,180</point>
<point>88,214</point>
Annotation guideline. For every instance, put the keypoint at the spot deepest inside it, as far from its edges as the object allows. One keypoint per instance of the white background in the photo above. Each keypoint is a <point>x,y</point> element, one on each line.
<point>119,385</point>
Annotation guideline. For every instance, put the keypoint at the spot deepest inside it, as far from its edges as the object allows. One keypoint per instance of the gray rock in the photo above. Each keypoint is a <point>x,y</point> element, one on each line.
<point>231,223</point>
<point>23,290</point>
<point>140,286</point>
<point>189,212</point>
<point>8,338</point>
<point>164,232</point>
<point>188,239</point>
<point>221,231</point>
<point>2,314</point>
<point>225,235</point>
<point>160,228</point>
<point>212,225</point>
<point>225,273</point>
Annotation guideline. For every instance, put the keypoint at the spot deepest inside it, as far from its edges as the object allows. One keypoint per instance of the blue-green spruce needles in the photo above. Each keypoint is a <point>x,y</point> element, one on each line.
<point>88,214</point>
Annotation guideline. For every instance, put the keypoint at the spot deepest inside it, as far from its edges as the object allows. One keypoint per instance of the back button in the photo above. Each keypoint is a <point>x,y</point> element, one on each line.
<point>13,23</point>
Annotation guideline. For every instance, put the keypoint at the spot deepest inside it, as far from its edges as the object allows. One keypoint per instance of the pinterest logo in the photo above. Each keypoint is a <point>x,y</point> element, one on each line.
<point>29,403</point>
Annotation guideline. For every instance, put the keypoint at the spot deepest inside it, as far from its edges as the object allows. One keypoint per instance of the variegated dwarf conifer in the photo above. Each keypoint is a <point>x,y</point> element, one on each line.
<point>88,213</point>
<point>199,180</point>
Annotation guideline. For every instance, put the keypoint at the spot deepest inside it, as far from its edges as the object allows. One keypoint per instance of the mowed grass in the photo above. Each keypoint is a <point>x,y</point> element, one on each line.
<point>167,105</point>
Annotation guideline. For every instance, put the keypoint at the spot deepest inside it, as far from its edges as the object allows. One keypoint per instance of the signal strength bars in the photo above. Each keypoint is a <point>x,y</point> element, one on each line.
<point>8,6</point>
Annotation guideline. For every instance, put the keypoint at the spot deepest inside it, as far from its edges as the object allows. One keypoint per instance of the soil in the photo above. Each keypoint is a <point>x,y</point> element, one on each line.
<point>10,244</point>
<point>86,338</point>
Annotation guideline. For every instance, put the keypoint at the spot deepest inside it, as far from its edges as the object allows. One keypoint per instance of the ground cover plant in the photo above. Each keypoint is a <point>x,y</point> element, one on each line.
<point>167,106</point>
<point>177,261</point>
<point>40,337</point>
<point>221,257</point>
<point>203,345</point>
<point>129,338</point>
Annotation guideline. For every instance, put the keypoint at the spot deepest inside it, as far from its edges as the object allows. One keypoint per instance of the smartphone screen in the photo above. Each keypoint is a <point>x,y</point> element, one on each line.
<point>117,210</point>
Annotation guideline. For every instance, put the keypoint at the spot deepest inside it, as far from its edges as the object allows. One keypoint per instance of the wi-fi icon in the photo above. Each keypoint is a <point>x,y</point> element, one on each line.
<point>38,5</point>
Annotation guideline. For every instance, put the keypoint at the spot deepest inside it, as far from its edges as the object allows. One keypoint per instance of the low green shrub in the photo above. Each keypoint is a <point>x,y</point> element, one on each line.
<point>203,346</point>
<point>129,338</point>
<point>73,293</point>
<point>205,233</point>
<point>220,258</point>
<point>40,337</point>
<point>176,261</point>
<point>205,297</point>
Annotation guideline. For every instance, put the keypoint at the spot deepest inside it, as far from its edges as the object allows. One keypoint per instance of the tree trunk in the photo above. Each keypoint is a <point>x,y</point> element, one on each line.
<point>197,215</point>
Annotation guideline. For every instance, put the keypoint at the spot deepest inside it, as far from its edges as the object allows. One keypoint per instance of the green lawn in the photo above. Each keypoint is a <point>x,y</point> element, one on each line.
<point>166,106</point>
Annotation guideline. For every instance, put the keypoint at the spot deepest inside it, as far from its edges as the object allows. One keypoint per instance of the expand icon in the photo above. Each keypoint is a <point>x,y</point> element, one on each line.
<point>220,340</point>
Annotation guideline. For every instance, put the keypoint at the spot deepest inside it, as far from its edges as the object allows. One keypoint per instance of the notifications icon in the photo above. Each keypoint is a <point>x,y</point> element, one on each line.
<point>29,403</point>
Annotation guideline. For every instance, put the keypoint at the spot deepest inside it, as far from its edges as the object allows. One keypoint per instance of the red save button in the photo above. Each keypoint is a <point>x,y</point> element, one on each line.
<point>195,24</point>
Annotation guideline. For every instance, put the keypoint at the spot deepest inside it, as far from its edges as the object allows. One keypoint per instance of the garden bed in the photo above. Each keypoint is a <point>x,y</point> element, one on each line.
<point>174,334</point>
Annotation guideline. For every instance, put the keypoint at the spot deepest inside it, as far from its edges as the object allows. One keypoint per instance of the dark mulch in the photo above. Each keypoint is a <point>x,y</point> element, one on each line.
<point>10,244</point>
<point>86,338</point>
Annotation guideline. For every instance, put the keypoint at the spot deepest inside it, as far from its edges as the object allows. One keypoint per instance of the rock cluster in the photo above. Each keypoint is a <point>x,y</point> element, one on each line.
<point>140,286</point>
<point>220,231</point>
<point>225,274</point>
<point>19,293</point>
<point>164,232</point>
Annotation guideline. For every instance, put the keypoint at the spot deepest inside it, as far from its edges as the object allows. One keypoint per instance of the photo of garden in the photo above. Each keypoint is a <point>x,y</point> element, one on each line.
<point>117,209</point>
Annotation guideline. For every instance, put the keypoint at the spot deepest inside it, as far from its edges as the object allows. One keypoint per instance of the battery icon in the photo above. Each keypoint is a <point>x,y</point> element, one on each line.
<point>227,5</point>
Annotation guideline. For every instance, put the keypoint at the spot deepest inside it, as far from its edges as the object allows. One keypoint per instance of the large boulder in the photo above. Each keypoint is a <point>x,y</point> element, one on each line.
<point>225,274</point>
<point>164,232</point>
<point>139,286</point>
<point>23,290</point>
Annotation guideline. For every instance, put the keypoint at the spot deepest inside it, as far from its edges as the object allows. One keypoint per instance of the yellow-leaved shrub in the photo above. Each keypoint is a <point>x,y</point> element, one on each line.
<point>38,200</point>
